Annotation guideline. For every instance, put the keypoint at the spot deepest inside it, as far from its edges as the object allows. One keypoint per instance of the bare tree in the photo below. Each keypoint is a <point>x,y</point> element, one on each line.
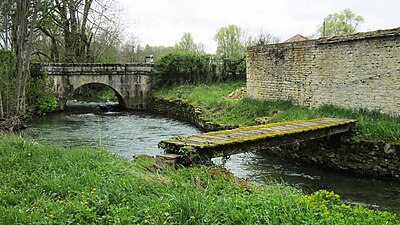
<point>24,23</point>
<point>78,30</point>
<point>5,24</point>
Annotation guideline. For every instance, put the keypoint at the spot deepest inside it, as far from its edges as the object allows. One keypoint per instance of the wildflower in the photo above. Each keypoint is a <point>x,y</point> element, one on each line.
<point>165,222</point>
<point>193,217</point>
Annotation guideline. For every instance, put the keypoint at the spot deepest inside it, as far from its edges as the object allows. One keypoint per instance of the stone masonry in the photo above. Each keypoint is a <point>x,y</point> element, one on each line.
<point>131,83</point>
<point>355,71</point>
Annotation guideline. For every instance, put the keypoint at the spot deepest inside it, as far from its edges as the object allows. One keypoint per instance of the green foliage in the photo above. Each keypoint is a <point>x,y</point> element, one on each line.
<point>342,23</point>
<point>7,60</point>
<point>7,83</point>
<point>329,209</point>
<point>47,103</point>
<point>44,184</point>
<point>229,42</point>
<point>187,44</point>
<point>183,67</point>
<point>231,51</point>
<point>40,99</point>
<point>211,98</point>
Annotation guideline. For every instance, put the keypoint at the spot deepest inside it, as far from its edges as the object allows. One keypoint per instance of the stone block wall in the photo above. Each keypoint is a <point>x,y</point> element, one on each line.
<point>356,71</point>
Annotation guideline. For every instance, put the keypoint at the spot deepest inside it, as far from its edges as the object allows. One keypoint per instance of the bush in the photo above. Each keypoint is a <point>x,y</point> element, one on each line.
<point>47,103</point>
<point>184,67</point>
<point>40,99</point>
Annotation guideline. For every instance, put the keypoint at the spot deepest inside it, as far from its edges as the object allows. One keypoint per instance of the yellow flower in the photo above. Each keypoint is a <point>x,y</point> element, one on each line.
<point>193,217</point>
<point>165,222</point>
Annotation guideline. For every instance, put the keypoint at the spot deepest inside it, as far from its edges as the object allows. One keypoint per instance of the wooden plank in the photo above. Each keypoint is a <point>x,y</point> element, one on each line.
<point>238,140</point>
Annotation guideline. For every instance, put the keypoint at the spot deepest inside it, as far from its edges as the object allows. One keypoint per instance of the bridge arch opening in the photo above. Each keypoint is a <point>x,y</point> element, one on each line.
<point>96,92</point>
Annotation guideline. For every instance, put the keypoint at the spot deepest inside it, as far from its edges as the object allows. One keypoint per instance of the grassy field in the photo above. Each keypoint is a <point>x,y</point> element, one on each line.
<point>371,125</point>
<point>44,184</point>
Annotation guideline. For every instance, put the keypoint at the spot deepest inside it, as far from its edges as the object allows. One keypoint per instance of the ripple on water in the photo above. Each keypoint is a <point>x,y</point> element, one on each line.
<point>127,133</point>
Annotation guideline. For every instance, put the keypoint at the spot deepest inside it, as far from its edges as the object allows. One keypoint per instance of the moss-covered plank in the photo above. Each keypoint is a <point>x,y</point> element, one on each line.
<point>213,141</point>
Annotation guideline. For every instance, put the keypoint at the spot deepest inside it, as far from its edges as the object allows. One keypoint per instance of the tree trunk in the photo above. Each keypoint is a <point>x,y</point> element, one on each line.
<point>1,107</point>
<point>23,36</point>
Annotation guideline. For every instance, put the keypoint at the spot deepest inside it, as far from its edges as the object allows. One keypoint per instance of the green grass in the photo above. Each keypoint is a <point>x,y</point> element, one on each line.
<point>372,125</point>
<point>45,184</point>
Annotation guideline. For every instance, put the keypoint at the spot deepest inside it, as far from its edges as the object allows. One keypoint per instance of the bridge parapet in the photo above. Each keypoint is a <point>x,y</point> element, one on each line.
<point>85,69</point>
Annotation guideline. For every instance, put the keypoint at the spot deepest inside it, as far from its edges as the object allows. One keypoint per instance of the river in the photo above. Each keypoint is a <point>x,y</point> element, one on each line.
<point>129,133</point>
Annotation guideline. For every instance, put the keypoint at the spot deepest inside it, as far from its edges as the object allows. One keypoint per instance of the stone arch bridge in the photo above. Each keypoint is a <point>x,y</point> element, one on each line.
<point>131,82</point>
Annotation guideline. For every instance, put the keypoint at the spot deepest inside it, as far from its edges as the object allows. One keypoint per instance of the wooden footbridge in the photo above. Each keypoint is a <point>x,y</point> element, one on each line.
<point>245,139</point>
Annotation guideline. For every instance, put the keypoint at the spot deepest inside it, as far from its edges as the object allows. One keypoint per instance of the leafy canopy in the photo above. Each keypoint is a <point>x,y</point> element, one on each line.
<point>229,43</point>
<point>342,23</point>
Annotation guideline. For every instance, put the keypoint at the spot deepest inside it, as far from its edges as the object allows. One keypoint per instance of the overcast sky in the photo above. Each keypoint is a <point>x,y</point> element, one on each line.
<point>163,22</point>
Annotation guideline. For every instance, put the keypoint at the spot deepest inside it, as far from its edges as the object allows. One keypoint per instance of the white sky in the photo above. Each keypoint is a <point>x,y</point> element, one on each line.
<point>163,22</point>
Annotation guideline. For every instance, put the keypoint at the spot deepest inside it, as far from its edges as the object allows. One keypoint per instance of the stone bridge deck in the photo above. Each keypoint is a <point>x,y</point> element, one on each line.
<point>229,142</point>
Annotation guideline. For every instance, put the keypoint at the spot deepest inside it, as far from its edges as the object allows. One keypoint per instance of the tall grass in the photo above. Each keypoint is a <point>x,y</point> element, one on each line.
<point>44,184</point>
<point>372,125</point>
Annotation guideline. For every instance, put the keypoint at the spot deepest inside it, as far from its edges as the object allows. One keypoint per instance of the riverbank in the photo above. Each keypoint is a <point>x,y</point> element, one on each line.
<point>217,107</point>
<point>50,184</point>
<point>373,149</point>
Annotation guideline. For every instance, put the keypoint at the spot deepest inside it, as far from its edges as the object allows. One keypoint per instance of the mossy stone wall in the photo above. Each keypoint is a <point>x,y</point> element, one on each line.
<point>378,159</point>
<point>356,71</point>
<point>184,111</point>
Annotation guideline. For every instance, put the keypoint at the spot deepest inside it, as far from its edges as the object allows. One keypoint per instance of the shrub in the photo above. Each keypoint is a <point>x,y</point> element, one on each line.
<point>40,99</point>
<point>47,103</point>
<point>183,67</point>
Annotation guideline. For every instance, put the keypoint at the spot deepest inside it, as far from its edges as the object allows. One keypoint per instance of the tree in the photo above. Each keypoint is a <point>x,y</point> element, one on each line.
<point>229,45</point>
<point>231,50</point>
<point>342,23</point>
<point>24,23</point>
<point>262,38</point>
<point>77,30</point>
<point>5,23</point>
<point>130,50</point>
<point>187,44</point>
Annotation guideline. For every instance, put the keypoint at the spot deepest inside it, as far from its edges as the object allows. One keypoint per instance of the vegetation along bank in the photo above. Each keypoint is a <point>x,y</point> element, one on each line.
<point>46,184</point>
<point>372,149</point>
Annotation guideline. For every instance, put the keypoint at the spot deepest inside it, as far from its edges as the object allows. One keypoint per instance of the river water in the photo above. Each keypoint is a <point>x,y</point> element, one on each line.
<point>129,133</point>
